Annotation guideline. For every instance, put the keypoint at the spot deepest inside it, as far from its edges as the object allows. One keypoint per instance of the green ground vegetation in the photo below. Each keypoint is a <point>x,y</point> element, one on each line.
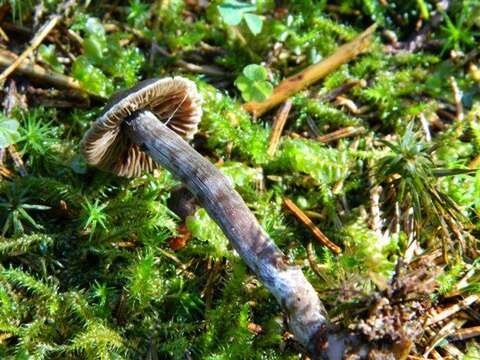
<point>86,269</point>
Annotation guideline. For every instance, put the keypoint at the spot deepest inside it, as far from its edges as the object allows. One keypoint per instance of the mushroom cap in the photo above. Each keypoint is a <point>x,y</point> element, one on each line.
<point>173,100</point>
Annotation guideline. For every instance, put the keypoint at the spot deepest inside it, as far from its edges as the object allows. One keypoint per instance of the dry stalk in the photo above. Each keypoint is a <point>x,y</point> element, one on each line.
<point>39,73</point>
<point>316,268</point>
<point>341,133</point>
<point>36,41</point>
<point>3,35</point>
<point>453,309</point>
<point>17,160</point>
<point>278,125</point>
<point>342,89</point>
<point>457,96</point>
<point>467,333</point>
<point>316,232</point>
<point>312,74</point>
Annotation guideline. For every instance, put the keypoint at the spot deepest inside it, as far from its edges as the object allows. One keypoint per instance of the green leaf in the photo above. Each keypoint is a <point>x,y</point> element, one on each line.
<point>8,131</point>
<point>91,77</point>
<point>232,11</point>
<point>261,90</point>
<point>252,83</point>
<point>94,48</point>
<point>93,26</point>
<point>254,23</point>
<point>255,72</point>
<point>242,83</point>
<point>47,54</point>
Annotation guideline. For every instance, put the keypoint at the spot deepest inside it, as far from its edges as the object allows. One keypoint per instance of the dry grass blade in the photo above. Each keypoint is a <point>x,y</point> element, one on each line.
<point>452,309</point>
<point>278,125</point>
<point>453,352</point>
<point>3,35</point>
<point>342,89</point>
<point>467,333</point>
<point>443,333</point>
<point>341,133</point>
<point>462,283</point>
<point>312,74</point>
<point>17,160</point>
<point>5,172</point>
<point>457,96</point>
<point>305,220</point>
<point>316,268</point>
<point>36,41</point>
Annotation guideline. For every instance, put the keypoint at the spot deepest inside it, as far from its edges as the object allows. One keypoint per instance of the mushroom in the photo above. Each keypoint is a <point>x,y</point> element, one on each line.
<point>172,100</point>
<point>128,135</point>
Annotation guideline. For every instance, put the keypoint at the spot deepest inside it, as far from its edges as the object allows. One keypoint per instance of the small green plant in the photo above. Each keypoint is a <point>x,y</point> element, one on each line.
<point>14,206</point>
<point>253,83</point>
<point>36,134</point>
<point>94,216</point>
<point>8,131</point>
<point>410,173</point>
<point>20,9</point>
<point>106,65</point>
<point>459,35</point>
<point>233,12</point>
<point>48,55</point>
<point>138,13</point>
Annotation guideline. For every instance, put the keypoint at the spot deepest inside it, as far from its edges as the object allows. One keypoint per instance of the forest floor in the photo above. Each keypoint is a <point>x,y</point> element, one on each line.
<point>361,166</point>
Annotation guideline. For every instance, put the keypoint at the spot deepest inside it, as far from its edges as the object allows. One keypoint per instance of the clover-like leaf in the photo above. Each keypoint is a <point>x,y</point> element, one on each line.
<point>233,12</point>
<point>252,83</point>
<point>254,23</point>
<point>255,72</point>
<point>8,131</point>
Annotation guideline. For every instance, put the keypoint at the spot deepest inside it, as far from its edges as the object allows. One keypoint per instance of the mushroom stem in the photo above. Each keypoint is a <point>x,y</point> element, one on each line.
<point>306,315</point>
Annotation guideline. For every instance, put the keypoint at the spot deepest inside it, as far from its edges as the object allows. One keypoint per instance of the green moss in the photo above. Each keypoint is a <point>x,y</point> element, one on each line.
<point>86,269</point>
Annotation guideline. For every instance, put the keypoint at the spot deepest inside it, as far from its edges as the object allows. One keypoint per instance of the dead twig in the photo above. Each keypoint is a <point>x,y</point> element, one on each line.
<point>317,269</point>
<point>312,73</point>
<point>3,35</point>
<point>209,289</point>
<point>443,333</point>
<point>419,39</point>
<point>202,69</point>
<point>316,232</point>
<point>376,220</point>
<point>39,73</point>
<point>452,309</point>
<point>457,96</point>
<point>342,89</point>
<point>14,100</point>
<point>340,134</point>
<point>176,260</point>
<point>36,41</point>
<point>278,125</point>
<point>350,105</point>
<point>426,127</point>
<point>464,334</point>
<point>17,160</point>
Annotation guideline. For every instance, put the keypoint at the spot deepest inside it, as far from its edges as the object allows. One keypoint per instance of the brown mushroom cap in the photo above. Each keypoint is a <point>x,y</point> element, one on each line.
<point>175,101</point>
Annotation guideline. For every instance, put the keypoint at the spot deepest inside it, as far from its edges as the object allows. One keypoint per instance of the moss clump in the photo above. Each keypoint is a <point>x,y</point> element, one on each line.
<point>86,266</point>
